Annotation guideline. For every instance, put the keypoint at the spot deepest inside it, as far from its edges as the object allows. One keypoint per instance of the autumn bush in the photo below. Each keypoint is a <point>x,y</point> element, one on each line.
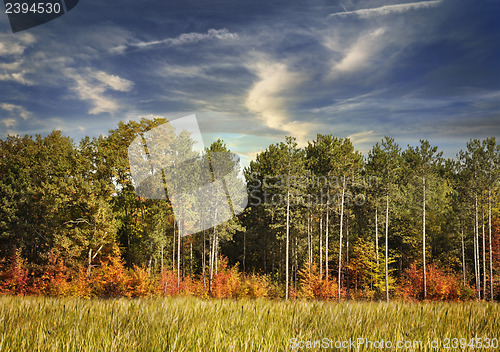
<point>254,286</point>
<point>14,277</point>
<point>441,286</point>
<point>227,281</point>
<point>141,284</point>
<point>315,286</point>
<point>110,279</point>
<point>55,277</point>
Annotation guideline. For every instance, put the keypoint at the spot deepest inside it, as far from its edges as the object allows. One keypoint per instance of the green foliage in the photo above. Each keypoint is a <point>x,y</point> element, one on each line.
<point>73,213</point>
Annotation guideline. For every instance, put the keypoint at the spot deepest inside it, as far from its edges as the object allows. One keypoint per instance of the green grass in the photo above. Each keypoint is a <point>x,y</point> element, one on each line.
<point>191,324</point>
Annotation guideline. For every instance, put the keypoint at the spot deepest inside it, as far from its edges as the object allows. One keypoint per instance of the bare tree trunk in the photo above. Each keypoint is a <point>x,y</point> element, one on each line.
<point>89,267</point>
<point>320,244</point>
<point>178,256</point>
<point>204,260</point>
<point>161,261</point>
<point>91,258</point>
<point>376,235</point>
<point>478,266</point>
<point>309,241</point>
<point>475,256</point>
<point>244,251</point>
<point>287,241</point>
<point>326,242</point>
<point>489,241</point>
<point>216,253</point>
<point>387,249</point>
<point>376,251</point>
<point>181,244</point>
<point>423,239</point>
<point>348,279</point>
<point>211,263</point>
<point>191,258</point>
<point>484,250</point>
<point>463,255</point>
<point>340,242</point>
<point>296,265</point>
<point>173,251</point>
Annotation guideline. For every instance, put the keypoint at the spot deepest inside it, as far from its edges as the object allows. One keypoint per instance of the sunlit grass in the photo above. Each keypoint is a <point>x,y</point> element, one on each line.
<point>191,324</point>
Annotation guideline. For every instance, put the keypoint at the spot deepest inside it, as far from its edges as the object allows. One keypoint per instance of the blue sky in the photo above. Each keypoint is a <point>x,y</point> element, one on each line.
<point>256,71</point>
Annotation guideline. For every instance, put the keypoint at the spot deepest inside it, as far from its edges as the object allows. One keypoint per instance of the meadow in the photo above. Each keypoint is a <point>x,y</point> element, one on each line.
<point>193,324</point>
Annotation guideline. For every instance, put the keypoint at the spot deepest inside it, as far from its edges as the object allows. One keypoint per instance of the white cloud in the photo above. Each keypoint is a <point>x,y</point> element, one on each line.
<point>8,123</point>
<point>384,10</point>
<point>14,45</point>
<point>363,137</point>
<point>114,82</point>
<point>359,54</point>
<point>267,96</point>
<point>272,93</point>
<point>22,112</point>
<point>16,77</point>
<point>185,38</point>
<point>12,49</point>
<point>91,86</point>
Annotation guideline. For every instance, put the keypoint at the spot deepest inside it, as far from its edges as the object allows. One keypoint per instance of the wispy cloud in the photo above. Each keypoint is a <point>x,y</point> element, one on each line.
<point>19,110</point>
<point>91,86</point>
<point>15,45</point>
<point>272,93</point>
<point>387,9</point>
<point>9,123</point>
<point>183,39</point>
<point>363,137</point>
<point>12,49</point>
<point>361,51</point>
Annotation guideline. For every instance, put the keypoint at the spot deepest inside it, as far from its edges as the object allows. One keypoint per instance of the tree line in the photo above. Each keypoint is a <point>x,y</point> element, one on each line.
<point>397,222</point>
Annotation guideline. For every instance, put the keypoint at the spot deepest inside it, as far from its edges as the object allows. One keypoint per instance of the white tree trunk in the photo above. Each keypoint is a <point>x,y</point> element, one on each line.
<point>387,249</point>
<point>287,242</point>
<point>463,255</point>
<point>423,239</point>
<point>376,234</point>
<point>321,244</point>
<point>340,242</point>
<point>326,243</point>
<point>489,241</point>
<point>484,252</point>
<point>477,264</point>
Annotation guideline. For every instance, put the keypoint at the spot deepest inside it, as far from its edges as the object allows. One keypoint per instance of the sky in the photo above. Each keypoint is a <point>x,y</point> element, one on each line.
<point>256,71</point>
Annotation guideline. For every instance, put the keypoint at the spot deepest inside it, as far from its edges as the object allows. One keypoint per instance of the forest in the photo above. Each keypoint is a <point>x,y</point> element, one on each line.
<point>322,222</point>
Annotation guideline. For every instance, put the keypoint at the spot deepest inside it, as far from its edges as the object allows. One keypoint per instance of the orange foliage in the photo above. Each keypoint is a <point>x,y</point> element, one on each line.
<point>441,286</point>
<point>110,279</point>
<point>140,284</point>
<point>313,286</point>
<point>254,286</point>
<point>55,277</point>
<point>226,282</point>
<point>14,278</point>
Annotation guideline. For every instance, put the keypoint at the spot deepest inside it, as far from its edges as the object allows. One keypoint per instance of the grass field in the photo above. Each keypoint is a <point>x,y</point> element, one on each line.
<point>191,324</point>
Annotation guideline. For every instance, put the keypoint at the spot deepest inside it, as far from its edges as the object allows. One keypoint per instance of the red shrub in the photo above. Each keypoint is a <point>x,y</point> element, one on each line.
<point>254,286</point>
<point>14,279</point>
<point>110,279</point>
<point>141,284</point>
<point>227,281</point>
<point>313,286</point>
<point>441,286</point>
<point>55,277</point>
